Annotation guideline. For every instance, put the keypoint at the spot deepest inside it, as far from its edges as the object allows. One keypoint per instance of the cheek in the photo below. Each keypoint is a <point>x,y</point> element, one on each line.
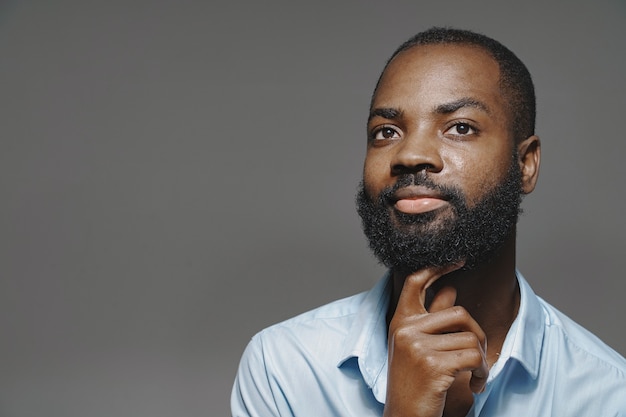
<point>478,176</point>
<point>375,174</point>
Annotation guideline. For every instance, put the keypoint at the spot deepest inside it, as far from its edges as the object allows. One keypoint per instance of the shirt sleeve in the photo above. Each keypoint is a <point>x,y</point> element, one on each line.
<point>252,394</point>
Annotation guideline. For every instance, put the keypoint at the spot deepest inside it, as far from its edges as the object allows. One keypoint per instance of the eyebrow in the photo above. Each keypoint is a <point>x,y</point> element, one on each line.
<point>445,108</point>
<point>453,106</point>
<point>386,112</point>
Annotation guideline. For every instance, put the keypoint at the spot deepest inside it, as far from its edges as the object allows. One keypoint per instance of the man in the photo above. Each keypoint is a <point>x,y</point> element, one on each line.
<point>452,329</point>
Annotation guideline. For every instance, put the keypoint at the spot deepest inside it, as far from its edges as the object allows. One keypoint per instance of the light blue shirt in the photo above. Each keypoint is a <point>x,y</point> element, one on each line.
<point>332,361</point>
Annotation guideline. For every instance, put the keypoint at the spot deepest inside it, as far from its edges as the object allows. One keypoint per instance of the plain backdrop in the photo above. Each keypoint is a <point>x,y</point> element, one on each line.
<point>177,175</point>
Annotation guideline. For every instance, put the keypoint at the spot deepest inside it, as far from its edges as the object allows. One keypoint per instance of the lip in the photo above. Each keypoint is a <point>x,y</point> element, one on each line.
<point>417,199</point>
<point>414,192</point>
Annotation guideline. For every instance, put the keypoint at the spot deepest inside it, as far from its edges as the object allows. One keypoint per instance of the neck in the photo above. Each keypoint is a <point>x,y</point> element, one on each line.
<point>489,292</point>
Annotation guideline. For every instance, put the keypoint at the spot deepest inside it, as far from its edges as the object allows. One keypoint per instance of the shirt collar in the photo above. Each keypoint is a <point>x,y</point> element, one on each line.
<point>525,337</point>
<point>366,340</point>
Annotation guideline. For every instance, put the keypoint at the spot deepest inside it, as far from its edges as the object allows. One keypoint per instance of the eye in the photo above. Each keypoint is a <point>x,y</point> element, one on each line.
<point>384,133</point>
<point>461,129</point>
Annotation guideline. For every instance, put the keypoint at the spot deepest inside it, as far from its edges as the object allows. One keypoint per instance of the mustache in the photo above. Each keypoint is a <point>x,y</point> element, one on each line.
<point>450,193</point>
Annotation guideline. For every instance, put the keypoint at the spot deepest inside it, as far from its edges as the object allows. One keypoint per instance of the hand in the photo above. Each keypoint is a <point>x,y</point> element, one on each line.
<point>428,350</point>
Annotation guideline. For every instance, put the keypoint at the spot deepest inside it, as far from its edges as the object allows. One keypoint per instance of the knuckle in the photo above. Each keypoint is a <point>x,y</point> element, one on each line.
<point>475,357</point>
<point>402,335</point>
<point>460,313</point>
<point>469,358</point>
<point>430,361</point>
<point>410,342</point>
<point>406,339</point>
<point>470,339</point>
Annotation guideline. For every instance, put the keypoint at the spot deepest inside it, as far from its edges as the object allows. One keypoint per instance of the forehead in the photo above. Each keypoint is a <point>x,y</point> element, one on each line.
<point>440,73</point>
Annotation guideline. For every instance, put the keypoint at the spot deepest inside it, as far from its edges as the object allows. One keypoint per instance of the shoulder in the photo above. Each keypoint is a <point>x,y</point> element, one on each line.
<point>578,341</point>
<point>325,323</point>
<point>296,356</point>
<point>584,374</point>
<point>576,373</point>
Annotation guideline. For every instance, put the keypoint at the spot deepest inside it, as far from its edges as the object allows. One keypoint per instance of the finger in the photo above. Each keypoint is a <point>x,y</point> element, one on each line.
<point>448,322</point>
<point>449,342</point>
<point>445,298</point>
<point>457,361</point>
<point>472,360</point>
<point>478,381</point>
<point>413,296</point>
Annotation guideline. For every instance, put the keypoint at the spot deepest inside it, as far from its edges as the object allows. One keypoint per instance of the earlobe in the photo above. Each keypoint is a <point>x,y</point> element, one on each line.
<point>529,151</point>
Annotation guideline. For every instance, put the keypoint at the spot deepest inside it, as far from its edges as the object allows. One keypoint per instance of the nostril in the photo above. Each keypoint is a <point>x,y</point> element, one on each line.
<point>400,169</point>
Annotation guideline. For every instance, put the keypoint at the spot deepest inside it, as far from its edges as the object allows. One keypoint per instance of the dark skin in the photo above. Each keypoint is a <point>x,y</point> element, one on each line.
<point>439,108</point>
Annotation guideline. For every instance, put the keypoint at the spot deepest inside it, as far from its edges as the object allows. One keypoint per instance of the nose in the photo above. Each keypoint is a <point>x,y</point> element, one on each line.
<point>417,152</point>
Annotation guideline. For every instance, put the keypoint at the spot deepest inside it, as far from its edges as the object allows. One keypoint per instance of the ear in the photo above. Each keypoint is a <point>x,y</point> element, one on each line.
<point>529,151</point>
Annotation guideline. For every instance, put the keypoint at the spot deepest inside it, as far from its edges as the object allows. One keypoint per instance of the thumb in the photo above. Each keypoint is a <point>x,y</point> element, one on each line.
<point>445,298</point>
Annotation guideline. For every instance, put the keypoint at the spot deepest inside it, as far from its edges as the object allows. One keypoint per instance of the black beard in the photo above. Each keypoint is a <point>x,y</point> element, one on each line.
<point>410,242</point>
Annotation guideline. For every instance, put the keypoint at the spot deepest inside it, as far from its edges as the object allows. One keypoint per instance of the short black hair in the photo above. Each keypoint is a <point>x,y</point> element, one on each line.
<point>515,80</point>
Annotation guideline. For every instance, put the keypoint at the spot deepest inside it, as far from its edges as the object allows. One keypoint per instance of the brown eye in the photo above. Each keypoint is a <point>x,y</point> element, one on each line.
<point>461,129</point>
<point>386,132</point>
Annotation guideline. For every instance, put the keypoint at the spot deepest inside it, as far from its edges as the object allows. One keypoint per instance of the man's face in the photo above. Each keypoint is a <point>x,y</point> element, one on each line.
<point>441,180</point>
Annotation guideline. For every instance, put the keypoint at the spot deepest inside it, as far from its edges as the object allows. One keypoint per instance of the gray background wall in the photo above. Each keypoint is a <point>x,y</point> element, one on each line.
<point>177,175</point>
